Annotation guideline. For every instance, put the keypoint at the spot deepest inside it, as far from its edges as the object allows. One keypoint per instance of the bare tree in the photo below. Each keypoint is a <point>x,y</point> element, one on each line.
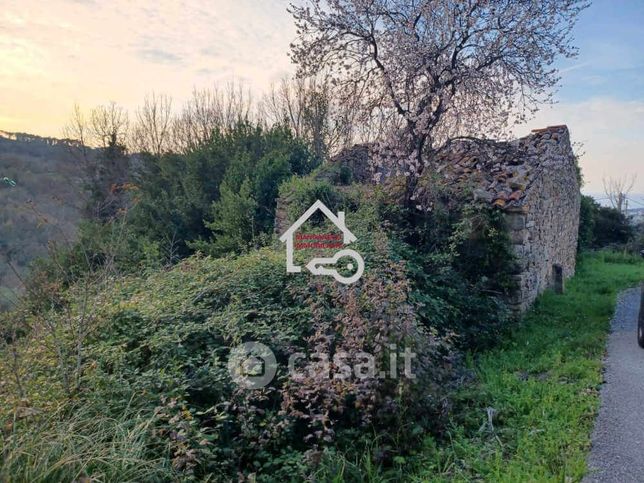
<point>105,126</point>
<point>196,122</point>
<point>78,137</point>
<point>98,141</point>
<point>77,132</point>
<point>445,69</point>
<point>314,111</point>
<point>305,107</point>
<point>209,110</point>
<point>109,126</point>
<point>285,103</point>
<point>618,189</point>
<point>152,130</point>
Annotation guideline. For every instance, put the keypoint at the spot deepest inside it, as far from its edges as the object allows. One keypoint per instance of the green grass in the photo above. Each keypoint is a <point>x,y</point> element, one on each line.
<point>542,384</point>
<point>62,448</point>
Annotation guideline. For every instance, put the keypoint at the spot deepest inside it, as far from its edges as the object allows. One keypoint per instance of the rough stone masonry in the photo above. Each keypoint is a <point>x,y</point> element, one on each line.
<point>544,225</point>
<point>534,180</point>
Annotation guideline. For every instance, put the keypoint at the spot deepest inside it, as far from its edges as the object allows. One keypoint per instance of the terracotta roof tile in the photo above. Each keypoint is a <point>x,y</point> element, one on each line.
<point>505,170</point>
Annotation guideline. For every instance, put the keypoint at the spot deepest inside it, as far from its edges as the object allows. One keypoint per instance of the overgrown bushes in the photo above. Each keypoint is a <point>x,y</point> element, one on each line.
<point>601,226</point>
<point>142,357</point>
<point>158,345</point>
<point>218,198</point>
<point>153,346</point>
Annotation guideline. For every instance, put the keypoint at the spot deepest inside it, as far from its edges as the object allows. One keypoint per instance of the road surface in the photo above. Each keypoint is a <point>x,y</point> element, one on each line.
<point>617,453</point>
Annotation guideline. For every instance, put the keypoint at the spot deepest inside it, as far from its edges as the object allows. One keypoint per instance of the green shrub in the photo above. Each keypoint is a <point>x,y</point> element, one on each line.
<point>460,263</point>
<point>587,213</point>
<point>601,226</point>
<point>220,197</point>
<point>530,409</point>
<point>156,345</point>
<point>610,256</point>
<point>170,348</point>
<point>334,173</point>
<point>302,192</point>
<point>636,245</point>
<point>611,227</point>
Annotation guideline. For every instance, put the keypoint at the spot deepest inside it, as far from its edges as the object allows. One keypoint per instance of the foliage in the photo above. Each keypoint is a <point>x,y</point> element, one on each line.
<point>460,262</point>
<point>587,212</point>
<point>233,220</point>
<point>636,245</point>
<point>528,412</point>
<point>218,197</point>
<point>97,143</point>
<point>601,226</point>
<point>458,257</point>
<point>338,174</point>
<point>611,227</point>
<point>313,111</point>
<point>302,192</point>
<point>142,357</point>
<point>113,367</point>
<point>157,346</point>
<point>64,447</point>
<point>483,249</point>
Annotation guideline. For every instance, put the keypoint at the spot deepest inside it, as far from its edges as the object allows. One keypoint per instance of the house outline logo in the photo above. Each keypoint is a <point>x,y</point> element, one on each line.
<point>316,265</point>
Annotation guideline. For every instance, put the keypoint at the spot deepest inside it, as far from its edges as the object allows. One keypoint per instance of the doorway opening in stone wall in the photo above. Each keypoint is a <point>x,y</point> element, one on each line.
<point>557,278</point>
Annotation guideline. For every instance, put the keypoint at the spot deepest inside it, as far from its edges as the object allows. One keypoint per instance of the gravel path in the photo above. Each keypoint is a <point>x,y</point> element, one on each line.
<point>617,453</point>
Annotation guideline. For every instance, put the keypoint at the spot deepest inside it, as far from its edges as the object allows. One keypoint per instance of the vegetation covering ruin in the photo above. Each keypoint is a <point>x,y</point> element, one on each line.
<point>113,365</point>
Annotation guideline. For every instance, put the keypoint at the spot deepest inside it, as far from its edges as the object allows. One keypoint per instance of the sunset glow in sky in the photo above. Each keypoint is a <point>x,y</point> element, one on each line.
<point>60,52</point>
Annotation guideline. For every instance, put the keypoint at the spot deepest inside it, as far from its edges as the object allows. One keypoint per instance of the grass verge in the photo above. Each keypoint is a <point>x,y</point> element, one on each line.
<point>531,412</point>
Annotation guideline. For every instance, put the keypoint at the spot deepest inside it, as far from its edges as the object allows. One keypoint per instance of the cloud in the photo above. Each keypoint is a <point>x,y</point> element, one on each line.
<point>64,52</point>
<point>610,130</point>
<point>570,68</point>
<point>210,51</point>
<point>204,71</point>
<point>159,56</point>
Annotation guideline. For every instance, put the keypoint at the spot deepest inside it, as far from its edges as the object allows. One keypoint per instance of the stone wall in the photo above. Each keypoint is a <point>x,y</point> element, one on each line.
<point>534,182</point>
<point>544,228</point>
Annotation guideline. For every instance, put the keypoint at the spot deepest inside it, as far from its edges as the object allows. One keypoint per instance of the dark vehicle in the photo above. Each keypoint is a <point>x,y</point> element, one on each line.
<point>640,322</point>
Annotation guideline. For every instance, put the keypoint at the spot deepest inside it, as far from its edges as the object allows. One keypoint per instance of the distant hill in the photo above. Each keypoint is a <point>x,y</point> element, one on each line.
<point>43,206</point>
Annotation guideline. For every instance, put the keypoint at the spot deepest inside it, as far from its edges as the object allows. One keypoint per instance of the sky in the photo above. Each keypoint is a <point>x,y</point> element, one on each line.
<point>57,53</point>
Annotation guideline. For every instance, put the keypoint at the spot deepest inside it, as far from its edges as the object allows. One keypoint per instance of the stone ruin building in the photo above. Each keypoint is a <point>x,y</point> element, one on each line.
<point>533,180</point>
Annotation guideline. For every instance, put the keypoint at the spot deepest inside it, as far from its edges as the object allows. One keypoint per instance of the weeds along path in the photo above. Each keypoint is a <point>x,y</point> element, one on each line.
<point>530,415</point>
<point>617,453</point>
